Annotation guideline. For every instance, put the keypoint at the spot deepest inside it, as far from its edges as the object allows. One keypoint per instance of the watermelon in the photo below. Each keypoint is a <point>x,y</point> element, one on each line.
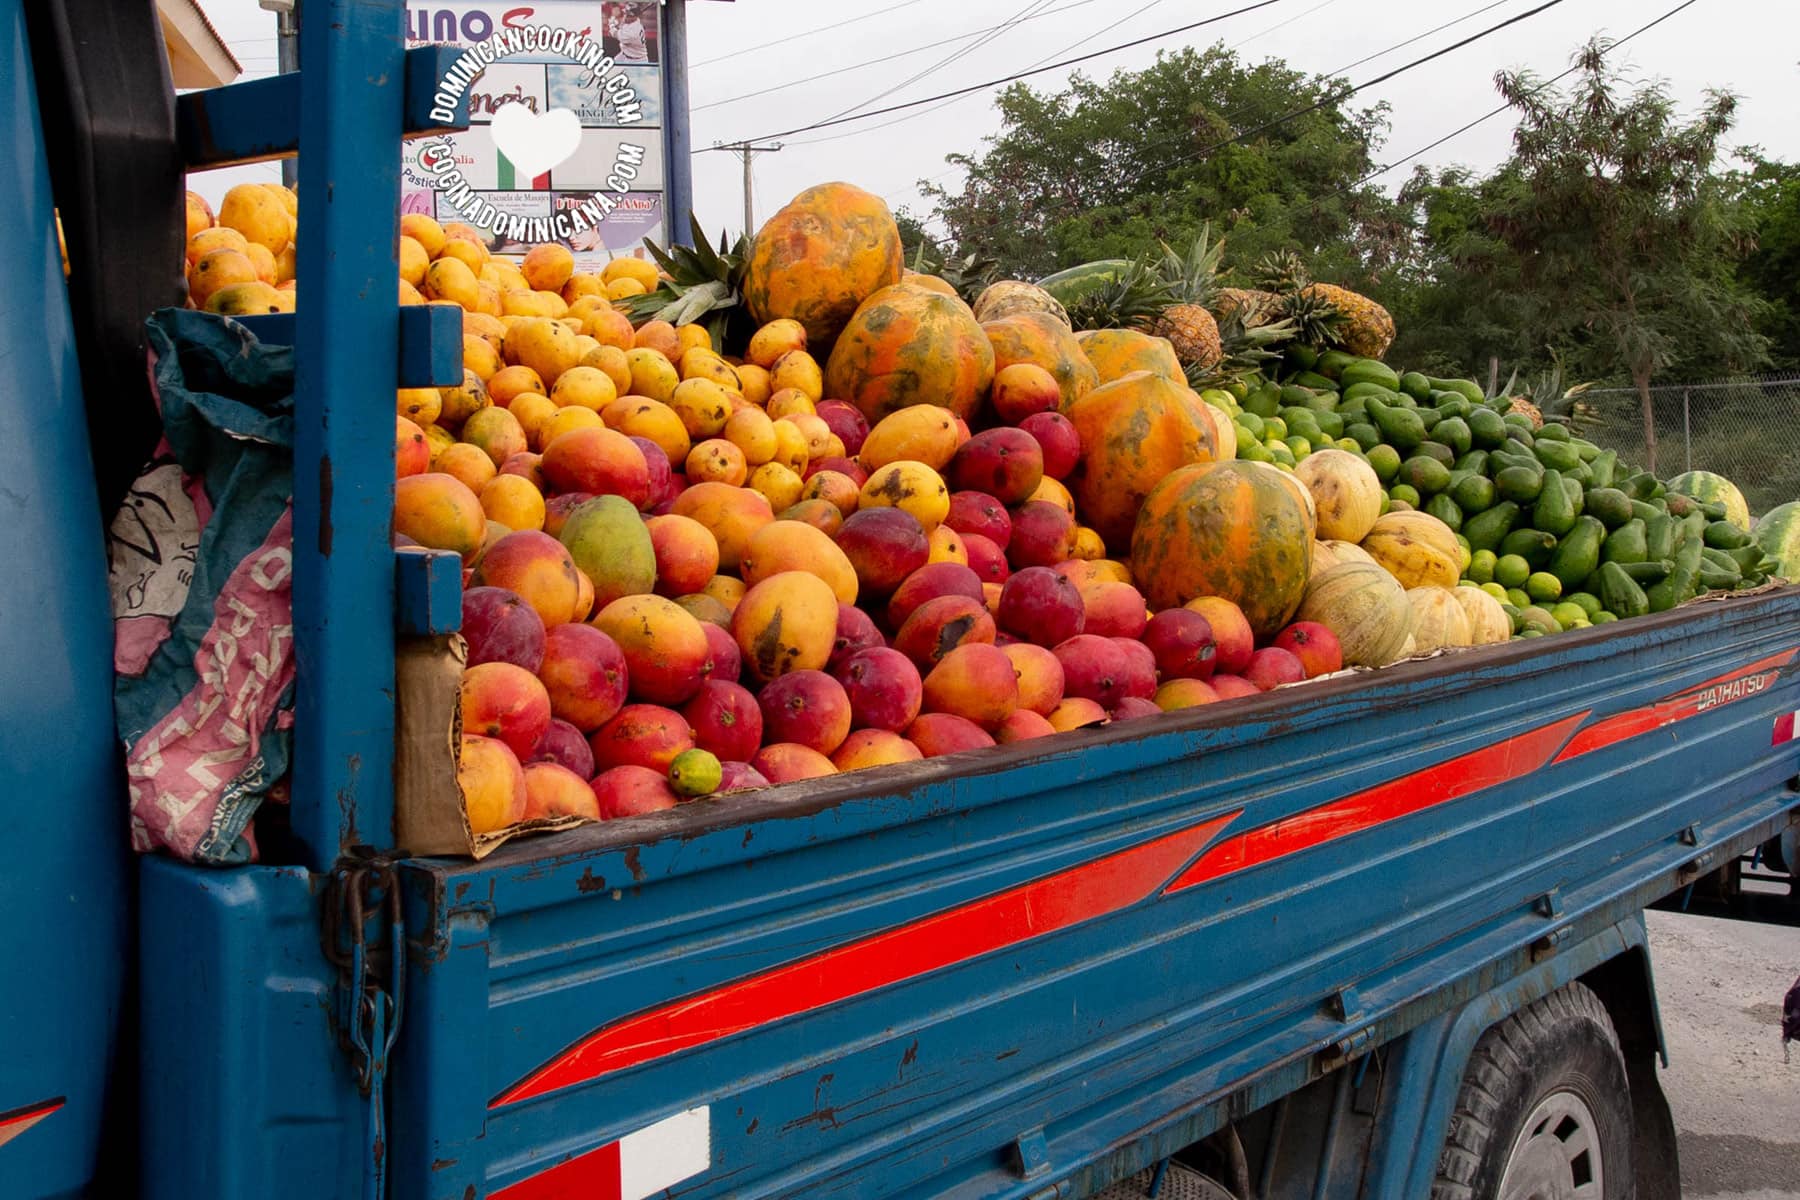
<point>1778,534</point>
<point>1071,285</point>
<point>1704,485</point>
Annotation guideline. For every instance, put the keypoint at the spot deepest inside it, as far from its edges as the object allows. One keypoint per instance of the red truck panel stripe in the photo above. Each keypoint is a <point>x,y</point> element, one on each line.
<point>590,1176</point>
<point>1019,914</point>
<point>15,1121</point>
<point>1471,772</point>
<point>1726,689</point>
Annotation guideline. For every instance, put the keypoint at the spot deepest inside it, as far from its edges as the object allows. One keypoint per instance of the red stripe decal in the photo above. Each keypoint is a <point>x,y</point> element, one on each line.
<point>1031,910</point>
<point>15,1121</point>
<point>1457,777</point>
<point>592,1176</point>
<point>1728,688</point>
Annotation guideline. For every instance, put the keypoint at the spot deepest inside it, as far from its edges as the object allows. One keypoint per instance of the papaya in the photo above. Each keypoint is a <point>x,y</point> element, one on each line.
<point>1332,362</point>
<point>1659,536</point>
<point>1647,573</point>
<point>1363,391</point>
<point>1725,536</point>
<point>1603,468</point>
<point>907,345</point>
<point>1454,433</point>
<point>1519,484</point>
<point>1464,387</point>
<point>1316,381</point>
<point>1415,385</point>
<point>1553,432</point>
<point>1644,511</point>
<point>1474,494</point>
<point>1445,509</point>
<point>816,260</point>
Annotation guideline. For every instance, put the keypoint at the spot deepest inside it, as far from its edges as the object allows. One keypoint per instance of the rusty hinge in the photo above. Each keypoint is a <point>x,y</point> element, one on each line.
<point>363,891</point>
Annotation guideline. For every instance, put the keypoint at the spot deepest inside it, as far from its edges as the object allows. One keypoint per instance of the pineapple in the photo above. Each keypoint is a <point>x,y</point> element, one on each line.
<point>1368,330</point>
<point>1253,307</point>
<point>1324,313</point>
<point>1008,296</point>
<point>1192,280</point>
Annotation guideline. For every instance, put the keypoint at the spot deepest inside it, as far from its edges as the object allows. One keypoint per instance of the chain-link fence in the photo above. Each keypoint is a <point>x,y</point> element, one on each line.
<point>1746,430</point>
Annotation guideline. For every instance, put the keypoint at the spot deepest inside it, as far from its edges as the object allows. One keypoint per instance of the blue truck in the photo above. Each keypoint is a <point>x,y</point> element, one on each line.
<point>1380,936</point>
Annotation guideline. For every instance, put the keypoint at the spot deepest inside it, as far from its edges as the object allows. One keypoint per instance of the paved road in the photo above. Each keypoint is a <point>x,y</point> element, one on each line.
<point>1736,1103</point>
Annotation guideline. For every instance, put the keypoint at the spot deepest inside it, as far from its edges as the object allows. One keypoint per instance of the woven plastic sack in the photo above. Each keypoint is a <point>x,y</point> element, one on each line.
<point>201,556</point>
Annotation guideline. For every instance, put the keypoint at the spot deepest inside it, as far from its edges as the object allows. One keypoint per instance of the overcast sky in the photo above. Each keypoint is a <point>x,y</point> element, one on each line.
<point>1749,46</point>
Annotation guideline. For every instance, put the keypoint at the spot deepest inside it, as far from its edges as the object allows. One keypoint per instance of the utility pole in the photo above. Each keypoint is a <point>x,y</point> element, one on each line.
<point>748,152</point>
<point>287,61</point>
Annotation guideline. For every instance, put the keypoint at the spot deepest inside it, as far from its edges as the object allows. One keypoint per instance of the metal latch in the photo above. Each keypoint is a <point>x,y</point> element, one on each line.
<point>363,890</point>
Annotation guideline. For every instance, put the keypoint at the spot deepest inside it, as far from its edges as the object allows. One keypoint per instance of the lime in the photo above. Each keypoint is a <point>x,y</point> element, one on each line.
<point>1251,450</point>
<point>1481,566</point>
<point>694,773</point>
<point>1299,445</point>
<point>1405,492</point>
<point>1219,398</point>
<point>1511,571</point>
<point>1351,445</point>
<point>1280,453</point>
<point>1386,461</point>
<point>1540,620</point>
<point>1587,602</point>
<point>1567,613</point>
<point>1251,423</point>
<point>1274,427</point>
<point>1604,618</point>
<point>1543,586</point>
<point>1517,597</point>
<point>1531,633</point>
<point>1497,592</point>
<point>1463,554</point>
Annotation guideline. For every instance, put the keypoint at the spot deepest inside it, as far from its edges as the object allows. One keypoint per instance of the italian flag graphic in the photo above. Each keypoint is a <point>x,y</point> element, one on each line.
<point>510,181</point>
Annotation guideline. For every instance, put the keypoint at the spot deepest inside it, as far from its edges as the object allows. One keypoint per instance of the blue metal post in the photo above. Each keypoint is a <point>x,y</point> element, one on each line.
<point>347,329</point>
<point>678,150</point>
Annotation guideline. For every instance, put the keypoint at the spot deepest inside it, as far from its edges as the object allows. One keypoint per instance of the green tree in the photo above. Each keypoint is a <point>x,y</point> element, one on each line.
<point>1105,169</point>
<point>1770,193</point>
<point>1626,238</point>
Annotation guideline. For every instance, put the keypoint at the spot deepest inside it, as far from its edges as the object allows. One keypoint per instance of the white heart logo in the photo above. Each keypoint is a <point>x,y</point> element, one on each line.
<point>535,142</point>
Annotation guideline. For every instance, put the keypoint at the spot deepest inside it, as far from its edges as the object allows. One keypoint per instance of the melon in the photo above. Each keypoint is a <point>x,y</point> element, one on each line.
<point>1228,529</point>
<point>1778,533</point>
<point>1416,548</point>
<point>1704,485</point>
<point>1349,552</point>
<point>1439,622</point>
<point>1488,622</point>
<point>1011,297</point>
<point>1365,608</point>
<point>1345,490</point>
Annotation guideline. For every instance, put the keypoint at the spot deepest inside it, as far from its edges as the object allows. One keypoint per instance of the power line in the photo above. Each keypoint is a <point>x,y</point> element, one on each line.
<point>794,37</point>
<point>1006,25</point>
<point>885,58</point>
<point>1418,37</point>
<point>1299,16</point>
<point>1488,116</point>
<point>1337,97</point>
<point>1069,62</point>
<point>832,137</point>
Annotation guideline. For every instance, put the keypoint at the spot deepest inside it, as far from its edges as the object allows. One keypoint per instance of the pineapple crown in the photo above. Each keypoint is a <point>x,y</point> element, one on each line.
<point>1193,277</point>
<point>1282,272</point>
<point>1134,297</point>
<point>703,283</point>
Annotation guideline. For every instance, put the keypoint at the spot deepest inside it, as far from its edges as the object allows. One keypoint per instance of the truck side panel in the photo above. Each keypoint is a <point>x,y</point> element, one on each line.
<point>979,984</point>
<point>63,889</point>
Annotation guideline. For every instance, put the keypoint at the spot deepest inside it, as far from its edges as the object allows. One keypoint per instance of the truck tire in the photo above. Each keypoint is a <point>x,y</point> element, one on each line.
<point>1544,1110</point>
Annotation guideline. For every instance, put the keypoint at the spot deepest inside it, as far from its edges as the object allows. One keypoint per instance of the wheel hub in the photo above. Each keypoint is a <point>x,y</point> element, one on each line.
<point>1556,1155</point>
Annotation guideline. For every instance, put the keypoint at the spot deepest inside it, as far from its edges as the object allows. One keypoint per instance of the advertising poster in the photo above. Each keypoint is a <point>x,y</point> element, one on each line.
<point>608,190</point>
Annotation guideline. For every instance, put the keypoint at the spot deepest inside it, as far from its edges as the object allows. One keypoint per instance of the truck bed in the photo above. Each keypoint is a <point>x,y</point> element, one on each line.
<point>984,976</point>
